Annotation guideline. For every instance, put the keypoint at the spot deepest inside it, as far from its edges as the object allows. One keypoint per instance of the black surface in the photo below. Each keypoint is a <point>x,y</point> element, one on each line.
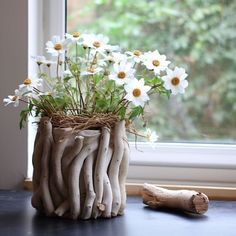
<point>17,217</point>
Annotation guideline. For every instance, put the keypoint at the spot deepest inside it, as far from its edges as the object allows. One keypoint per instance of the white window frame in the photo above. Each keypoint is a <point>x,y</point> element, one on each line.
<point>168,163</point>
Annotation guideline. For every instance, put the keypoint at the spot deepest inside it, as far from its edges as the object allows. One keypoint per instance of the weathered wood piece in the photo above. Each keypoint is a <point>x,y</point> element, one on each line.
<point>186,200</point>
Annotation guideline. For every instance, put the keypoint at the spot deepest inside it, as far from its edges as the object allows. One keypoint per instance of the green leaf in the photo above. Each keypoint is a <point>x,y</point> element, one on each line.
<point>23,117</point>
<point>122,113</point>
<point>136,111</point>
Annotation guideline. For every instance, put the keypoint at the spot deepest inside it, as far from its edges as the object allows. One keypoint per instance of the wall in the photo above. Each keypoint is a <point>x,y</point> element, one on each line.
<point>13,70</point>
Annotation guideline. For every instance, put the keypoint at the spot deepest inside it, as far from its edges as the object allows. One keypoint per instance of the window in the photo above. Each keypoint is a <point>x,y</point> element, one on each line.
<point>196,131</point>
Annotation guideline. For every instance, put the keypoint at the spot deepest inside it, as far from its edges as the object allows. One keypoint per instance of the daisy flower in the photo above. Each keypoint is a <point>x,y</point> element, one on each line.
<point>137,92</point>
<point>42,60</point>
<point>155,61</point>
<point>91,71</point>
<point>151,135</point>
<point>29,84</point>
<point>56,46</point>
<point>39,60</point>
<point>13,99</point>
<point>122,73</point>
<point>135,55</point>
<point>175,80</point>
<point>98,42</point>
<point>117,57</point>
<point>112,48</point>
<point>75,37</point>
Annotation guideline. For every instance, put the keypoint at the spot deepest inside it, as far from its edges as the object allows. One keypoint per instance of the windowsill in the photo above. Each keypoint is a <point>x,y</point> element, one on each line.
<point>135,189</point>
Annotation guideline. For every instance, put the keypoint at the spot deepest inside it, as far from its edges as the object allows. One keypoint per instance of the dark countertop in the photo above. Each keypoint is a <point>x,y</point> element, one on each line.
<point>17,217</point>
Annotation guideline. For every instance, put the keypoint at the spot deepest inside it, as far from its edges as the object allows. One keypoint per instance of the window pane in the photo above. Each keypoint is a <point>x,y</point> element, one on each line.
<point>198,35</point>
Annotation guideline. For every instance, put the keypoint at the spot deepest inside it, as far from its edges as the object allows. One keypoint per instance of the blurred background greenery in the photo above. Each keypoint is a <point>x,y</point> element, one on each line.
<point>199,35</point>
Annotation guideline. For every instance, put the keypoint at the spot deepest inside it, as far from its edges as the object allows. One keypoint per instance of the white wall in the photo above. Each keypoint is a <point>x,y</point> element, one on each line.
<point>13,70</point>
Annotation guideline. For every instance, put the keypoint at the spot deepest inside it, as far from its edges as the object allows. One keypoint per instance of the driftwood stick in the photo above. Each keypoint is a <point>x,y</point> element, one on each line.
<point>69,157</point>
<point>36,158</point>
<point>107,192</point>
<point>60,141</point>
<point>100,167</point>
<point>36,200</point>
<point>114,166</point>
<point>44,180</point>
<point>90,145</point>
<point>186,200</point>
<point>56,196</point>
<point>82,187</point>
<point>90,193</point>
<point>42,197</point>
<point>123,174</point>
<point>63,207</point>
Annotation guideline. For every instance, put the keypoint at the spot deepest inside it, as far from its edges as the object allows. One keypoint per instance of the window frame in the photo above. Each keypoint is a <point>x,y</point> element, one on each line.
<point>168,163</point>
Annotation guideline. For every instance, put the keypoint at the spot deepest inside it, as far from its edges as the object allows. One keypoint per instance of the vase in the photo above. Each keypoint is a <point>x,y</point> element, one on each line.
<point>80,174</point>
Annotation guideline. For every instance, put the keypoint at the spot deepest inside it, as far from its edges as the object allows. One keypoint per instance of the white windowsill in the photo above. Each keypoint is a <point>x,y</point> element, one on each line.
<point>184,154</point>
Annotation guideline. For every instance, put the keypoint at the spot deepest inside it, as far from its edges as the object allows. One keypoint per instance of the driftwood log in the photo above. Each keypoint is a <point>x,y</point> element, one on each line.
<point>186,200</point>
<point>80,174</point>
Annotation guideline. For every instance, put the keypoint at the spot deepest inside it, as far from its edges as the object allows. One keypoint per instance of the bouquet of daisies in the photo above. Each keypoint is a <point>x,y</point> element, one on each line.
<point>91,82</point>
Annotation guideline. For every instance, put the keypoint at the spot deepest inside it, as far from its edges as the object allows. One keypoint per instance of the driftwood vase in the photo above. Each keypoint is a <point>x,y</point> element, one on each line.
<point>80,174</point>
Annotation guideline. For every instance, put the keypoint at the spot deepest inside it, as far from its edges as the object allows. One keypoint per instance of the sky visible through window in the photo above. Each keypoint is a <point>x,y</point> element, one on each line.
<point>197,35</point>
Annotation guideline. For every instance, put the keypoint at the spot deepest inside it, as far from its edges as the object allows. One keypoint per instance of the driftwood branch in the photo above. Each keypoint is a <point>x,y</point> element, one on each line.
<point>186,200</point>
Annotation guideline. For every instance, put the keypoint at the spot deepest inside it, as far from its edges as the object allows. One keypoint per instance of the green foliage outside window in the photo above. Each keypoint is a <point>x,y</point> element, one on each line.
<point>200,35</point>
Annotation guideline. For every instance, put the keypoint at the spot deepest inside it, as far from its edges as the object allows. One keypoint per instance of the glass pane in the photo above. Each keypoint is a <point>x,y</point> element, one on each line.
<point>198,35</point>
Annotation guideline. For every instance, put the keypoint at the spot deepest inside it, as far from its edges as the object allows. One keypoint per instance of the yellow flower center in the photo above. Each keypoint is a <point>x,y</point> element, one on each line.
<point>57,46</point>
<point>121,75</point>
<point>137,53</point>
<point>175,81</point>
<point>136,92</point>
<point>96,44</point>
<point>91,70</point>
<point>76,34</point>
<point>14,98</point>
<point>27,81</point>
<point>155,62</point>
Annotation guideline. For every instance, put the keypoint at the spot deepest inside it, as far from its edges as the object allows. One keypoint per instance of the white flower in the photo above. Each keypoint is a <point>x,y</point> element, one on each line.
<point>175,80</point>
<point>123,73</point>
<point>91,71</point>
<point>135,55</point>
<point>57,46</point>
<point>13,99</point>
<point>97,42</point>
<point>151,135</point>
<point>39,59</point>
<point>75,37</point>
<point>112,48</point>
<point>42,60</point>
<point>155,61</point>
<point>117,57</point>
<point>137,92</point>
<point>48,63</point>
<point>29,84</point>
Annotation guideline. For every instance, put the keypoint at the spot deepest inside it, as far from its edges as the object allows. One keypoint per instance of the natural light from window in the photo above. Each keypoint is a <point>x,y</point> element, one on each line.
<point>193,35</point>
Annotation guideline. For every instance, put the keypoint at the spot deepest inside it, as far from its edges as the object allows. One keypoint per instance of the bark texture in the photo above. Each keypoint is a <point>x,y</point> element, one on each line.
<point>80,174</point>
<point>186,200</point>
